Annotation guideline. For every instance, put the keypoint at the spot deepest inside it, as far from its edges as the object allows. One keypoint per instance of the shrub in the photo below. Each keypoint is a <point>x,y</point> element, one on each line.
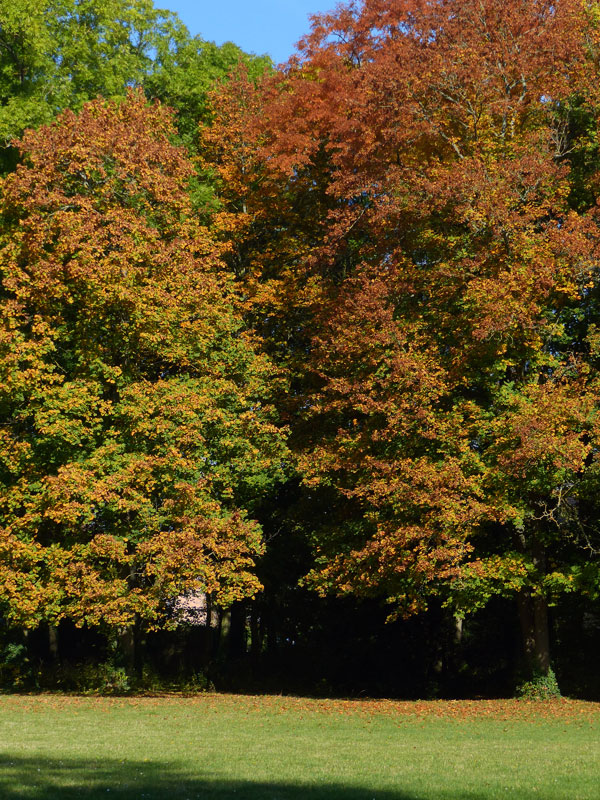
<point>540,687</point>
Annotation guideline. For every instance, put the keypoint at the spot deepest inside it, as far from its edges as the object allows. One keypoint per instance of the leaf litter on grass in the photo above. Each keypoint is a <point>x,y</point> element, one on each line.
<point>561,710</point>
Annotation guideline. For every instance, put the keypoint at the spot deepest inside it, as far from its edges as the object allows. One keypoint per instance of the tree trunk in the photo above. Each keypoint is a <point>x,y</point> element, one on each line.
<point>533,615</point>
<point>53,642</point>
<point>127,645</point>
<point>208,632</point>
<point>255,633</point>
<point>237,630</point>
<point>458,630</point>
<point>535,632</point>
<point>219,633</point>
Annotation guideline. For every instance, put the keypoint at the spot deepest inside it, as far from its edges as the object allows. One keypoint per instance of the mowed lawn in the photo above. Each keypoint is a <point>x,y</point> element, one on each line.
<point>277,748</point>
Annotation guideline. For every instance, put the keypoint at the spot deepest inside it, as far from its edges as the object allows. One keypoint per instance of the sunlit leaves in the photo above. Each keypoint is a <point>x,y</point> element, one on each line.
<point>412,186</point>
<point>137,435</point>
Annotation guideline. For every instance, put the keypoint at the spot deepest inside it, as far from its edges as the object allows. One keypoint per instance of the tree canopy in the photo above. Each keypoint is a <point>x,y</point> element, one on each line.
<point>58,54</point>
<point>422,187</point>
<point>136,432</point>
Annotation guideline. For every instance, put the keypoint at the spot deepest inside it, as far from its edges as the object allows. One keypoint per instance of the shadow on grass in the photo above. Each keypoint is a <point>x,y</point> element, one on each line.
<point>69,779</point>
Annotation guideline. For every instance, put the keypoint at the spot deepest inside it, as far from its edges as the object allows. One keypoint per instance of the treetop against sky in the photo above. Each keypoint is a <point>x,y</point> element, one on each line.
<point>264,26</point>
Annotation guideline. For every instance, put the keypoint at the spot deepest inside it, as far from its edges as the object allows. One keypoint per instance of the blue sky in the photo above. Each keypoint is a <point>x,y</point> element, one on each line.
<point>257,26</point>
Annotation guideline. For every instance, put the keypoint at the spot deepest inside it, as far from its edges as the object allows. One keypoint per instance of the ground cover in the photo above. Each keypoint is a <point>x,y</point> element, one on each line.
<point>275,748</point>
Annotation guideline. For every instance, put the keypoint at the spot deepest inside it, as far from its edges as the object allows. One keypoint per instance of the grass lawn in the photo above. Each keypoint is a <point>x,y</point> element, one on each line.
<point>274,748</point>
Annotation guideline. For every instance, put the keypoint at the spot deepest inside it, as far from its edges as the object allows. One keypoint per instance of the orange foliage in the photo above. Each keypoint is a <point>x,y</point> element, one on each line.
<point>136,432</point>
<point>420,241</point>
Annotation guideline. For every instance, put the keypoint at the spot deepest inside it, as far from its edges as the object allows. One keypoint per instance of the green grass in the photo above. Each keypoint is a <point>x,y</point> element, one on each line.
<point>266,748</point>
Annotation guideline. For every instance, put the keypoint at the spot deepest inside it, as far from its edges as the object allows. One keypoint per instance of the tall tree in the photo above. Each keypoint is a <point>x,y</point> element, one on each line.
<point>136,434</point>
<point>450,280</point>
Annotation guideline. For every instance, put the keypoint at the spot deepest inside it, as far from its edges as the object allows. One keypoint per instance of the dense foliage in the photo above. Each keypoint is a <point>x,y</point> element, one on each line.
<point>136,435</point>
<point>386,250</point>
<point>58,54</point>
<point>423,189</point>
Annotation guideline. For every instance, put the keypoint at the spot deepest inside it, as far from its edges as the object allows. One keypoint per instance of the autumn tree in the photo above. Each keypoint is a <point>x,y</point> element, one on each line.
<point>446,345</point>
<point>186,69</point>
<point>137,436</point>
<point>59,54</point>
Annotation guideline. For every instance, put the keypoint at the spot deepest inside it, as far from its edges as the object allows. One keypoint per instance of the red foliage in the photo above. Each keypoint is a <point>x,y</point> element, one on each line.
<point>418,255</point>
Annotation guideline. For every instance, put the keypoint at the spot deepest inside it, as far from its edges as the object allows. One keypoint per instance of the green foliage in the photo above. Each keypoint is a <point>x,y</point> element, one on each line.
<point>187,68</point>
<point>101,679</point>
<point>108,679</point>
<point>16,669</point>
<point>58,54</point>
<point>540,687</point>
